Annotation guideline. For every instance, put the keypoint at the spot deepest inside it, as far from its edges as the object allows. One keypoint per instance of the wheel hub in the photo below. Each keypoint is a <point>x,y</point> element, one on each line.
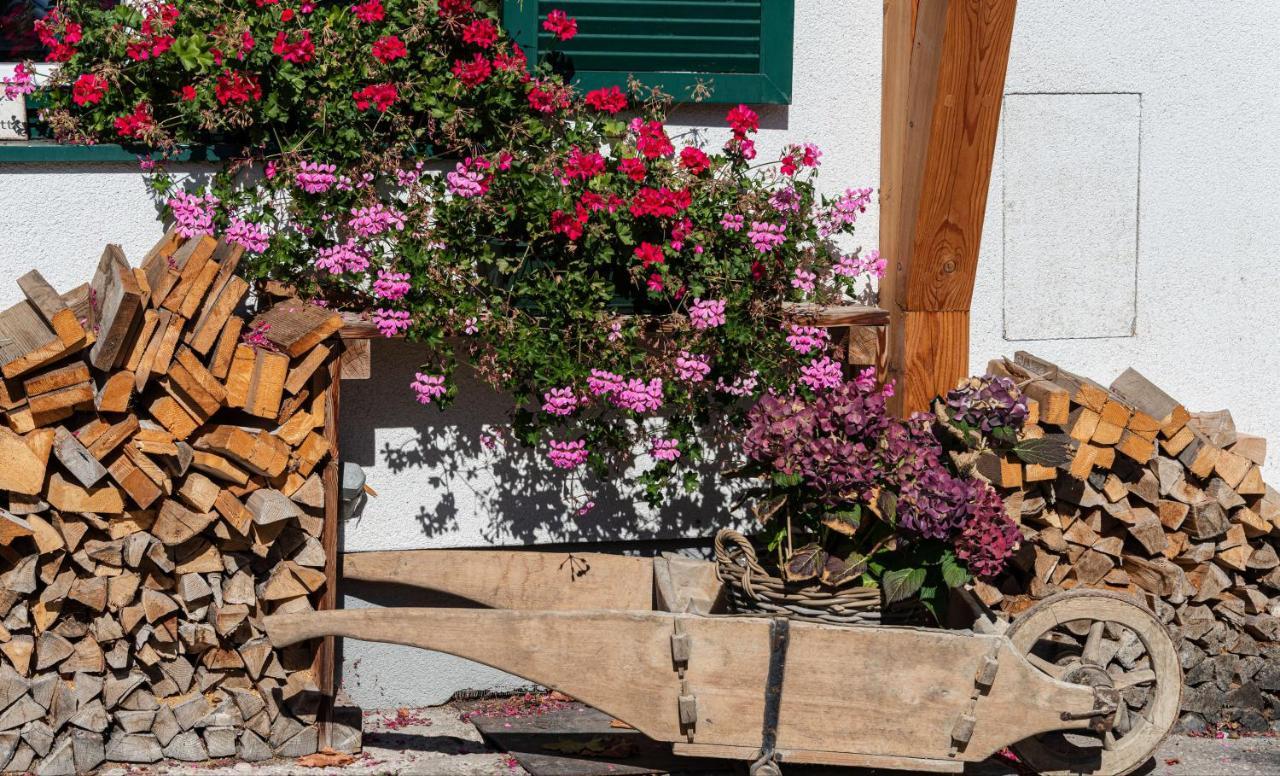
<point>1106,698</point>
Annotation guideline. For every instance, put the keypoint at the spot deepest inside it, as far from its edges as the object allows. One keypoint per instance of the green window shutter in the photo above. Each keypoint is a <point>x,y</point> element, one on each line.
<point>741,49</point>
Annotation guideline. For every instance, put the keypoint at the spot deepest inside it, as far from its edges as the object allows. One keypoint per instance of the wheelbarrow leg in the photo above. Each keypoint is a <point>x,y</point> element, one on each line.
<point>515,579</point>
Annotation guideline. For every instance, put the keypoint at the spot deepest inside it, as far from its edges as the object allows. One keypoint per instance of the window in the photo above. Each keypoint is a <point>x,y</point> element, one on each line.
<point>18,39</point>
<point>740,49</point>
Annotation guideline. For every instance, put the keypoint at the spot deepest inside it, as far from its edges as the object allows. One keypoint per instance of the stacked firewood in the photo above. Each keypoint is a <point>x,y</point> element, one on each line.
<point>1156,502</point>
<point>160,460</point>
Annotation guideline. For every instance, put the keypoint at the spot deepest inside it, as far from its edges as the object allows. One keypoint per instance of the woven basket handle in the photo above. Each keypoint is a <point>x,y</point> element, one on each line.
<point>734,549</point>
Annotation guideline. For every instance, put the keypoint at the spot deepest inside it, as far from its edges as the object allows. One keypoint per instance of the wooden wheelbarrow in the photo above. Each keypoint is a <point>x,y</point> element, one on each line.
<point>1084,682</point>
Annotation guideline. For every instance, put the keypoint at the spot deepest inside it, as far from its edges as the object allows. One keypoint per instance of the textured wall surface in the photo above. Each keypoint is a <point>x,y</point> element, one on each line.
<point>1207,265</point>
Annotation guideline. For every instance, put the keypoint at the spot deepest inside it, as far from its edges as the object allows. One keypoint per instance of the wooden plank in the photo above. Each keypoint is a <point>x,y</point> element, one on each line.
<point>76,458</point>
<point>228,338</point>
<point>119,307</point>
<point>62,377</point>
<point>213,318</point>
<point>26,341</point>
<point>181,271</point>
<point>955,85</point>
<point>325,662</point>
<point>55,312</point>
<point>115,392</point>
<point>301,372</point>
<point>813,712</point>
<point>515,579</point>
<point>296,327</point>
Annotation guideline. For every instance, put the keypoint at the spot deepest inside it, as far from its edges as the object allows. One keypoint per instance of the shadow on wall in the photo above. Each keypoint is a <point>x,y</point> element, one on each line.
<point>442,479</point>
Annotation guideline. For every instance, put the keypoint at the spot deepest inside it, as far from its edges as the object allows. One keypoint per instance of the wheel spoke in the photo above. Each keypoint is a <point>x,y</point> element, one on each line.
<point>1137,676</point>
<point>1093,644</point>
<point>1123,723</point>
<point>1052,669</point>
<point>1108,741</point>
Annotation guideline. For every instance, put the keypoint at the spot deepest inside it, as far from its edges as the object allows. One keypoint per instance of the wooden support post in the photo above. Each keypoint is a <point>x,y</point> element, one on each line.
<point>324,666</point>
<point>944,70</point>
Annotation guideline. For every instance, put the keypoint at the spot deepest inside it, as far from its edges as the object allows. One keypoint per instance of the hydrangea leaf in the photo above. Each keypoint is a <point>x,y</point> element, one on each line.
<point>1045,451</point>
<point>901,584</point>
<point>804,564</point>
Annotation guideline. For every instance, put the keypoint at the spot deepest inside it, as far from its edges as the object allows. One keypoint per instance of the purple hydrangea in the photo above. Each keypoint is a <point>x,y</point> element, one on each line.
<point>987,403</point>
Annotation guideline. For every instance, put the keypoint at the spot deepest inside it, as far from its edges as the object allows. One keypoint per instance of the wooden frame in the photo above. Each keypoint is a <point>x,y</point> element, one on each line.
<point>943,82</point>
<point>576,623</point>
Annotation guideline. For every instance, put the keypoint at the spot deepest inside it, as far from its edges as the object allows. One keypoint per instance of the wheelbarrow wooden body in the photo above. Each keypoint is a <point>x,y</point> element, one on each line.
<point>642,639</point>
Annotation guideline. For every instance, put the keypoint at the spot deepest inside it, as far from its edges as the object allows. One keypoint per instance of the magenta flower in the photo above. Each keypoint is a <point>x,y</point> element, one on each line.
<point>822,373</point>
<point>804,339</point>
<point>19,84</point>
<point>639,396</point>
<point>692,368</point>
<point>316,178</point>
<point>844,211</point>
<point>602,383</point>
<point>375,219</point>
<point>568,455</point>
<point>804,280</point>
<point>766,236</point>
<point>345,257</point>
<point>665,449</point>
<point>247,234</point>
<point>390,322</point>
<point>193,214</point>
<point>391,286</point>
<point>732,222</point>
<point>469,178</point>
<point>560,402</point>
<point>707,313</point>
<point>428,387</point>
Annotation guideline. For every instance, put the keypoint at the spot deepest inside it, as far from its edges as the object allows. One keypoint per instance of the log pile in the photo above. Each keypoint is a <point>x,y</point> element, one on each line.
<point>161,464</point>
<point>1160,503</point>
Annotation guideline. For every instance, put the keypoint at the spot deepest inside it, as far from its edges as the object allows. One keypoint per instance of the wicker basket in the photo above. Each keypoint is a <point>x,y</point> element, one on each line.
<point>752,589</point>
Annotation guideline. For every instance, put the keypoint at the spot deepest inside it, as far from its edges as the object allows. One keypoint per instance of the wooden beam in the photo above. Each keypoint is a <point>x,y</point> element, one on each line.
<point>941,110</point>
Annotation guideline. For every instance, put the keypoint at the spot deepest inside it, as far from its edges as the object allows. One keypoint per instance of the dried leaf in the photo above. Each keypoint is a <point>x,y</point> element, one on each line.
<point>765,509</point>
<point>804,564</point>
<point>1051,450</point>
<point>845,522</point>
<point>836,572</point>
<point>326,758</point>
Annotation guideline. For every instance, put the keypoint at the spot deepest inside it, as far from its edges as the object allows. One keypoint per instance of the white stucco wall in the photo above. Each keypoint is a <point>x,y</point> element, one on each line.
<point>1195,289</point>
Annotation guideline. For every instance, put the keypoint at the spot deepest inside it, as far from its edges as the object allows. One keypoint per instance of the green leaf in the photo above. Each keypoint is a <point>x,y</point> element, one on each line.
<point>901,584</point>
<point>953,572</point>
<point>784,480</point>
<point>1052,450</point>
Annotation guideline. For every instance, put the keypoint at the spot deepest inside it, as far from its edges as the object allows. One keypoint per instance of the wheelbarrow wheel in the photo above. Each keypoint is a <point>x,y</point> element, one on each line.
<point>1102,639</point>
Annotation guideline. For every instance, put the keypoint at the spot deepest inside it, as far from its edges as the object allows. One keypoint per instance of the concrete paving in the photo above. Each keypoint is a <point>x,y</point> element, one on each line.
<point>438,741</point>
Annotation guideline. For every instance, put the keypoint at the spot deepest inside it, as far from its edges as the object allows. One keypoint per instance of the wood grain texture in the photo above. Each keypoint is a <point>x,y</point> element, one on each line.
<point>620,663</point>
<point>325,663</point>
<point>938,135</point>
<point>505,579</point>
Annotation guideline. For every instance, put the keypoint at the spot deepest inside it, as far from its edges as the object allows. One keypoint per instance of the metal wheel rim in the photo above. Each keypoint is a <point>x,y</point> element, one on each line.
<point>1129,751</point>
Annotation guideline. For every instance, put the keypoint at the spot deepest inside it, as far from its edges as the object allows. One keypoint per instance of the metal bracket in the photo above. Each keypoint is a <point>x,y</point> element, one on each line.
<point>779,640</point>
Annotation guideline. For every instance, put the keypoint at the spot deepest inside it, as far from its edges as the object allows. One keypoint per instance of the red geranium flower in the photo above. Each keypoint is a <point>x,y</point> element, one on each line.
<point>609,100</point>
<point>649,254</point>
<point>569,225</point>
<point>88,89</point>
<point>449,8</point>
<point>188,93</point>
<point>560,25</point>
<point>632,167</point>
<point>286,15</point>
<point>583,165</point>
<point>237,88</point>
<point>369,11</point>
<point>481,32</point>
<point>652,140</point>
<point>137,123</point>
<point>743,120</point>
<point>516,60</point>
<point>381,96</point>
<point>694,160</point>
<point>298,52</point>
<point>473,72</point>
<point>388,49</point>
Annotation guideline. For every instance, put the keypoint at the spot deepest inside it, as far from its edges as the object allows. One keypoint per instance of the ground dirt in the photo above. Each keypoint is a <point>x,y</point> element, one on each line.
<point>440,741</point>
